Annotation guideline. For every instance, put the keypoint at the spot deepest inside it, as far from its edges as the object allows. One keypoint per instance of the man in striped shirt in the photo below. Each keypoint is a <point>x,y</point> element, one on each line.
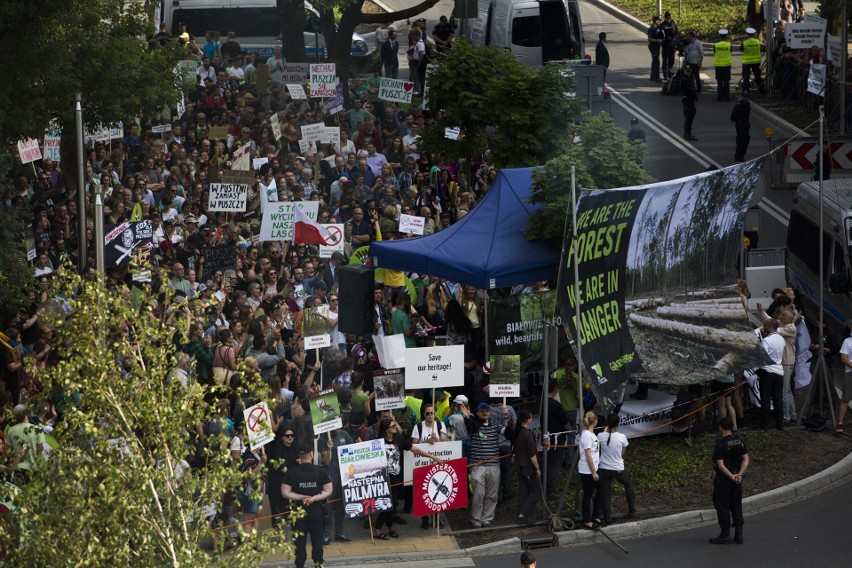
<point>484,453</point>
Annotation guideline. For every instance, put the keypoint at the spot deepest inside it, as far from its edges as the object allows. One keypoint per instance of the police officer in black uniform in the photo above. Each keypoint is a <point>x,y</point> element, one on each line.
<point>730,460</point>
<point>308,485</point>
<point>656,37</point>
<point>741,117</point>
<point>690,97</point>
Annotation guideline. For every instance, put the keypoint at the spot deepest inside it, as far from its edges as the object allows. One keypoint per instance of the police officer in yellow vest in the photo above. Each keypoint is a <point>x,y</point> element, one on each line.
<point>722,61</point>
<point>751,48</point>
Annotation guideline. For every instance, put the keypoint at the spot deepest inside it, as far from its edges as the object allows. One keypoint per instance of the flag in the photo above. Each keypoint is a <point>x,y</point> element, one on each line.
<point>309,232</point>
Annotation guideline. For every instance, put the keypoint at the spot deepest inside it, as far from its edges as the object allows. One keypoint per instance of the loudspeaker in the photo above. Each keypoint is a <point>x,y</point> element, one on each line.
<point>355,292</point>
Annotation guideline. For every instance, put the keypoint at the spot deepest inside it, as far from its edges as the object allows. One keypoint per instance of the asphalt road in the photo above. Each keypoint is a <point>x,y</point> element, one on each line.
<point>808,532</point>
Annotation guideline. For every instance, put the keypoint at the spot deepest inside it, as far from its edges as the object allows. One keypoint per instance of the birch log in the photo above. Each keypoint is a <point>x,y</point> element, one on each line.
<point>721,338</point>
<point>702,312</point>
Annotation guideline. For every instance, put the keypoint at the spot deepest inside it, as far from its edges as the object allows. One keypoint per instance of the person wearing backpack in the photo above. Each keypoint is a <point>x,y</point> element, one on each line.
<point>428,431</point>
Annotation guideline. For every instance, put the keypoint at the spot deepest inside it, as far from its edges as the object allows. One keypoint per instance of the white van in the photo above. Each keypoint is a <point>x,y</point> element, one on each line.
<point>535,31</point>
<point>255,23</point>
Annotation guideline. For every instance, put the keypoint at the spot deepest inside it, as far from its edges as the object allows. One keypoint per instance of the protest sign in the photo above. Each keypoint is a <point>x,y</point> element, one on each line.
<point>805,34</point>
<point>313,132</point>
<point>295,73</point>
<point>452,133</point>
<point>505,376</point>
<point>258,425</point>
<point>120,241</point>
<point>217,133</point>
<point>52,139</point>
<point>181,106</point>
<point>389,389</point>
<point>157,129</point>
<point>297,92</point>
<point>303,146</point>
<point>336,232</point>
<point>325,412</point>
<point>444,450</point>
<point>816,79</point>
<point>29,150</point>
<point>323,80</point>
<point>228,197</point>
<point>390,349</point>
<point>242,158</point>
<point>331,135</point>
<point>275,123</point>
<point>316,328</point>
<point>440,487</point>
<point>246,177</point>
<point>257,163</point>
<point>277,223</point>
<point>433,367</point>
<point>834,47</point>
<point>218,258</point>
<point>187,70</point>
<point>411,224</point>
<point>335,104</point>
<point>364,478</point>
<point>395,90</point>
<point>268,193</point>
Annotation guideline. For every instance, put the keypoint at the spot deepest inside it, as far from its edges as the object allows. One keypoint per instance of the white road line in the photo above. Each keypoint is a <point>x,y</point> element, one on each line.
<point>774,210</point>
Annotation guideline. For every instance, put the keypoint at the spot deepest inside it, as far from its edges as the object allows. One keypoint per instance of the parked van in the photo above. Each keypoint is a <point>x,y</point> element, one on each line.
<point>535,31</point>
<point>255,23</point>
<point>803,234</point>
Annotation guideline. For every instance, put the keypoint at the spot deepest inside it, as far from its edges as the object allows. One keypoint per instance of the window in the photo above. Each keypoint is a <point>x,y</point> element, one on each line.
<point>803,242</point>
<point>526,31</point>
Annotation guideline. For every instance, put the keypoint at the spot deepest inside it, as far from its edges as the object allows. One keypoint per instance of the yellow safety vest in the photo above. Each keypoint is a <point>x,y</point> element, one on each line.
<point>722,56</point>
<point>751,51</point>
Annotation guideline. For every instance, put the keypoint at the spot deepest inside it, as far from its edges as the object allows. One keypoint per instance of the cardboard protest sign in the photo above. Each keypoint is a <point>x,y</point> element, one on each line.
<point>505,376</point>
<point>364,478</point>
<point>52,139</point>
<point>258,425</point>
<point>440,487</point>
<point>218,257</point>
<point>325,412</point>
<point>295,73</point>
<point>120,241</point>
<point>246,177</point>
<point>411,224</point>
<point>336,231</point>
<point>444,450</point>
<point>395,90</point>
<point>217,133</point>
<point>278,220</point>
<point>297,92</point>
<point>323,80</point>
<point>433,367</point>
<point>389,388</point>
<point>29,150</point>
<point>228,197</point>
<point>315,327</point>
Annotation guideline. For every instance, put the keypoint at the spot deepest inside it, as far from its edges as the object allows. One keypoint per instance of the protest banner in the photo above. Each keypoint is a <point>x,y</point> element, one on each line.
<point>816,79</point>
<point>440,487</point>
<point>268,193</point>
<point>29,150</point>
<point>316,328</point>
<point>515,326</point>
<point>246,177</point>
<point>295,73</point>
<point>242,158</point>
<point>632,244</point>
<point>186,68</point>
<point>444,450</point>
<point>228,197</point>
<point>336,232</point>
<point>217,133</point>
<point>411,224</point>
<point>389,389</point>
<point>325,412</point>
<point>395,90</point>
<point>364,478</point>
<point>278,219</point>
<point>52,139</point>
<point>275,123</point>
<point>297,92</point>
<point>805,34</point>
<point>505,376</point>
<point>323,80</point>
<point>433,367</point>
<point>121,241</point>
<point>258,425</point>
<point>218,258</point>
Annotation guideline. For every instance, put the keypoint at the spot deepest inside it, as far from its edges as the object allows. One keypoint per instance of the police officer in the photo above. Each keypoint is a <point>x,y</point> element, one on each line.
<point>655,43</point>
<point>730,460</point>
<point>741,117</point>
<point>309,485</point>
<point>751,48</point>
<point>669,29</point>
<point>690,97</point>
<point>722,61</point>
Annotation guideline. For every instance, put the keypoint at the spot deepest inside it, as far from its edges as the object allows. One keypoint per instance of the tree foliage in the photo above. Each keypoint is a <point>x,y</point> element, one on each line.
<point>477,88</point>
<point>112,493</point>
<point>603,158</point>
<point>16,275</point>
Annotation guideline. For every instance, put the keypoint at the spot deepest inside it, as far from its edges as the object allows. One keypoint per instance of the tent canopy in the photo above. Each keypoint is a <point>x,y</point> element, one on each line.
<point>486,249</point>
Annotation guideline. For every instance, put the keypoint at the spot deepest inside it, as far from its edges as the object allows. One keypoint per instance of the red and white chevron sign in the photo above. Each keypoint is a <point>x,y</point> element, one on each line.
<point>803,155</point>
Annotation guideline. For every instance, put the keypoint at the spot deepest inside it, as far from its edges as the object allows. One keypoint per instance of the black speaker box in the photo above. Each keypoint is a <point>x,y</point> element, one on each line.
<point>355,292</point>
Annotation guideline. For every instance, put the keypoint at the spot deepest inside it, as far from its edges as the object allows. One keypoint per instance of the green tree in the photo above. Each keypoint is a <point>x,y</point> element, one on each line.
<point>16,275</point>
<point>56,48</point>
<point>476,88</point>
<point>113,491</point>
<point>603,158</point>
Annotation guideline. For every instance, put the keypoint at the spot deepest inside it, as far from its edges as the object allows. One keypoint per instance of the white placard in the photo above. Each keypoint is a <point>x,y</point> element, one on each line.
<point>835,49</point>
<point>816,79</point>
<point>331,135</point>
<point>258,162</point>
<point>267,194</point>
<point>336,231</point>
<point>452,133</point>
<point>323,80</point>
<point>317,341</point>
<point>297,92</point>
<point>181,106</point>
<point>434,367</point>
<point>258,425</point>
<point>313,132</point>
<point>411,224</point>
<point>504,391</point>
<point>230,197</point>
<point>303,145</point>
<point>276,125</point>
<point>805,34</point>
<point>159,129</point>
<point>391,350</point>
<point>277,223</point>
<point>395,90</point>
<point>52,140</point>
<point>29,150</point>
<point>242,158</point>
<point>444,450</point>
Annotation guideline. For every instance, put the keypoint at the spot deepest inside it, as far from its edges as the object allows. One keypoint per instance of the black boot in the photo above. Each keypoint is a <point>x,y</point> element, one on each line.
<point>723,538</point>
<point>738,535</point>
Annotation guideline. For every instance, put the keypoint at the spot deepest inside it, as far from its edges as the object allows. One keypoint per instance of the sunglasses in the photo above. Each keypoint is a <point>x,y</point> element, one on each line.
<point>289,435</point>
<point>430,414</point>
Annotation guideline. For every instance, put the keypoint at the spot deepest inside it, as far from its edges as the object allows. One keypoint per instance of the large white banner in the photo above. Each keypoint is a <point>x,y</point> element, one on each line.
<point>434,367</point>
<point>277,223</point>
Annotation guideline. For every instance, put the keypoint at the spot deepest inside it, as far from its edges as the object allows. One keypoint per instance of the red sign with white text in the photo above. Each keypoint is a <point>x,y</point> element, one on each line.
<point>440,487</point>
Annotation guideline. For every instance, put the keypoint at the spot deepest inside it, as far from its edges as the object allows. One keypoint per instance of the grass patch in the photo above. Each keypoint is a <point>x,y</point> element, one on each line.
<point>706,18</point>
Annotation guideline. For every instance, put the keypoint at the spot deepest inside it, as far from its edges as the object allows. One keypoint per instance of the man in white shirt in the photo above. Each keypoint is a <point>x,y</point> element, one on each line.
<point>771,377</point>
<point>276,67</point>
<point>205,71</point>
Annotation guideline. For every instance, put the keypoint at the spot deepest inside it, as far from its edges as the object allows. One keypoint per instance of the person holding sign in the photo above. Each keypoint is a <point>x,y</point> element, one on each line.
<point>428,431</point>
<point>309,485</point>
<point>485,467</point>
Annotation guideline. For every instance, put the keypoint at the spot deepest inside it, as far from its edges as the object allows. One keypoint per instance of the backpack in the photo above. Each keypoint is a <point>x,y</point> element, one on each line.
<point>415,433</point>
<point>815,423</point>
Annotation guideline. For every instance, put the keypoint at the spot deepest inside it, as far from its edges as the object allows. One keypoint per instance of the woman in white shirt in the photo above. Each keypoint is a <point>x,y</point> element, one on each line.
<point>612,446</point>
<point>588,469</point>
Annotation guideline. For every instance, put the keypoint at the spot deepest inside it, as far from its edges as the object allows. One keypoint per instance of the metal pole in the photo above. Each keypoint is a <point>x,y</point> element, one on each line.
<point>577,342</point>
<point>81,186</point>
<point>660,8</point>
<point>844,58</point>
<point>769,41</point>
<point>485,326</point>
<point>545,399</point>
<point>99,229</point>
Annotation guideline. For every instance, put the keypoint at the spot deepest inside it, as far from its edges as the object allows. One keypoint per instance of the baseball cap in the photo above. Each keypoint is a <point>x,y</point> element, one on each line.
<point>460,399</point>
<point>482,405</point>
<point>305,450</point>
<point>634,120</point>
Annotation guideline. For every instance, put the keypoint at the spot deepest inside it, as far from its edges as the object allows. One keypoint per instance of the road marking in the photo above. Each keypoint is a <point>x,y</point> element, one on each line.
<point>774,210</point>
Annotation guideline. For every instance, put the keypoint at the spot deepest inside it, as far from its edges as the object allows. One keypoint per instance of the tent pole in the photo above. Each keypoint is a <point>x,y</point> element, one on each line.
<point>576,260</point>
